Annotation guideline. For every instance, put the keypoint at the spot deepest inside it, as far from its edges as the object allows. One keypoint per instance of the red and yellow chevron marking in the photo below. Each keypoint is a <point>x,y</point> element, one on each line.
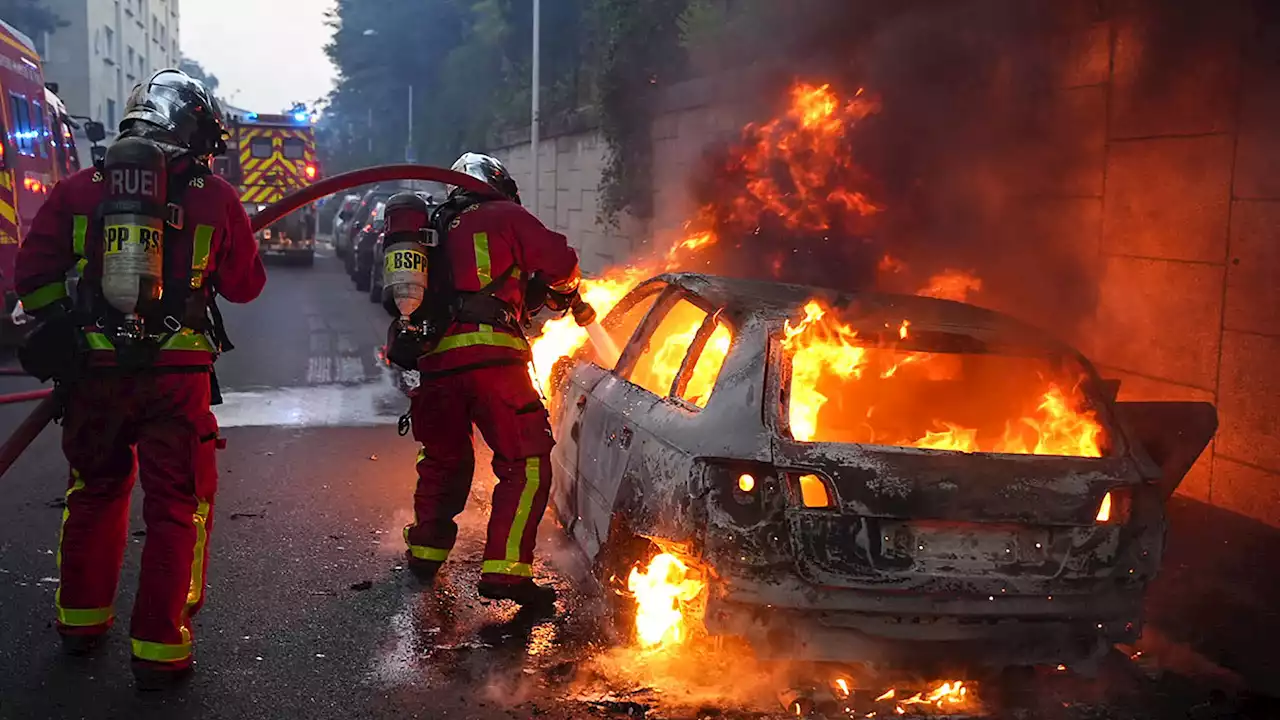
<point>268,179</point>
<point>8,211</point>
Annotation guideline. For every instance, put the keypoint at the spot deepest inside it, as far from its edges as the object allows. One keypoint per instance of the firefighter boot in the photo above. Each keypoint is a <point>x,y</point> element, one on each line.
<point>525,593</point>
<point>155,677</point>
<point>424,570</point>
<point>80,645</point>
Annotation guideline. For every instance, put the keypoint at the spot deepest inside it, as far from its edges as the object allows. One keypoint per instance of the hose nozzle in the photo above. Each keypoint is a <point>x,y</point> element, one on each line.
<point>583,314</point>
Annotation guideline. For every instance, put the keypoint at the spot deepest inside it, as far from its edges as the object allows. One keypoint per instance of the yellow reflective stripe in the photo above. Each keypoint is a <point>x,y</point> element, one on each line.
<point>76,485</point>
<point>422,454</point>
<point>422,552</point>
<point>76,617</point>
<point>81,264</point>
<point>480,338</point>
<point>200,254</point>
<point>161,652</point>
<point>187,339</point>
<point>84,618</point>
<point>201,521</point>
<point>484,268</point>
<point>43,296</point>
<point>532,478</point>
<point>506,567</point>
<point>81,230</point>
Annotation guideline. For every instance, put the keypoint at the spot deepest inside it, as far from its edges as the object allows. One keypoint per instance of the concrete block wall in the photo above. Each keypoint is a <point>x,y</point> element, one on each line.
<point>570,167</point>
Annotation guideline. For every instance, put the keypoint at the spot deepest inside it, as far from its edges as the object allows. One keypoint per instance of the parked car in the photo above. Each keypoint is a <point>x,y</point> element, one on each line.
<point>360,222</point>
<point>341,224</point>
<point>376,265</point>
<point>362,251</point>
<point>822,535</point>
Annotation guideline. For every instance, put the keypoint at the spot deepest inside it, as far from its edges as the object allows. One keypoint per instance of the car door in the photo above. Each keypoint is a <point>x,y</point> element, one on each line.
<point>634,414</point>
<point>578,416</point>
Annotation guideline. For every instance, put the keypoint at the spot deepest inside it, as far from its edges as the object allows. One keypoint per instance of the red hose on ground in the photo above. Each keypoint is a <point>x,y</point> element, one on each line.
<point>44,413</point>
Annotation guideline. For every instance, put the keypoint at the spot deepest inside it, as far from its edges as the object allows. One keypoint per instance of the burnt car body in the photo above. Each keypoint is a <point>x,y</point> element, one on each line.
<point>918,556</point>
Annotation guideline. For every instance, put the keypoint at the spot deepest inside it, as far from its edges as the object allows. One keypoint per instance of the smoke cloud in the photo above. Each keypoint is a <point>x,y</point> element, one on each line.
<point>988,152</point>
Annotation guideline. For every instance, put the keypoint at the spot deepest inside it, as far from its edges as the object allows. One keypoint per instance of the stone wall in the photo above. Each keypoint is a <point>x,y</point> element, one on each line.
<point>1172,202</point>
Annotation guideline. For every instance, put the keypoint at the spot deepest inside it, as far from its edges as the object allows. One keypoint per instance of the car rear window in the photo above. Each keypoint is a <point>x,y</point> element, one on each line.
<point>934,390</point>
<point>260,148</point>
<point>293,148</point>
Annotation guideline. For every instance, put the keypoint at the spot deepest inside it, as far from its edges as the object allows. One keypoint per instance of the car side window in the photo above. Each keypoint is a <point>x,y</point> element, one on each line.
<point>662,356</point>
<point>261,148</point>
<point>622,324</point>
<point>709,348</point>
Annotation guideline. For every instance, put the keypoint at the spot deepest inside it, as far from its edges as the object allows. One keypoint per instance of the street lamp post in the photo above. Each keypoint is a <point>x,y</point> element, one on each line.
<point>533,127</point>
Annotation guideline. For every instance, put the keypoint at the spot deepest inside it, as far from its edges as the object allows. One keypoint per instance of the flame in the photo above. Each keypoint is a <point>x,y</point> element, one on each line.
<point>661,592</point>
<point>828,355</point>
<point>951,285</point>
<point>949,694</point>
<point>787,166</point>
<point>562,337</point>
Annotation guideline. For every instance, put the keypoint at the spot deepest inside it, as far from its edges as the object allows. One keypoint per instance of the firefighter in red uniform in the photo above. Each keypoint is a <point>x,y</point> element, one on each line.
<point>475,370</point>
<point>139,382</point>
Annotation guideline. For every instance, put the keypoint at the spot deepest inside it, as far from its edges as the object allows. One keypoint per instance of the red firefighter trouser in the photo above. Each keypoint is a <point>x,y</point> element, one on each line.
<point>167,418</point>
<point>503,404</point>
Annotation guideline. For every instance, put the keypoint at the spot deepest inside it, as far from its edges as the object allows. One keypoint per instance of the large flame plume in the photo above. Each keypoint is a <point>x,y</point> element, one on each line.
<point>663,592</point>
<point>829,358</point>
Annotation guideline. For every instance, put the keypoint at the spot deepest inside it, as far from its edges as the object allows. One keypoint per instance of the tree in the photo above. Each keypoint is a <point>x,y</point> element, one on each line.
<point>30,16</point>
<point>197,71</point>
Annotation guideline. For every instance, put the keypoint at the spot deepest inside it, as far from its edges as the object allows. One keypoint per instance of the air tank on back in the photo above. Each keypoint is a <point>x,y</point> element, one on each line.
<point>408,235</point>
<point>133,218</point>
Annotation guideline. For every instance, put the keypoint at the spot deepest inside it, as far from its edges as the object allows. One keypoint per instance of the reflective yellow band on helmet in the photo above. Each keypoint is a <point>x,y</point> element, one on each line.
<point>200,254</point>
<point>569,284</point>
<point>79,232</point>
<point>532,478</point>
<point>497,339</point>
<point>506,567</point>
<point>74,617</point>
<point>186,339</point>
<point>44,296</point>
<point>484,266</point>
<point>161,652</point>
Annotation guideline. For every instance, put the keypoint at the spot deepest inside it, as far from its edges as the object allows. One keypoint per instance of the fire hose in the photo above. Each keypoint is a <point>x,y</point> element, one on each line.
<point>47,410</point>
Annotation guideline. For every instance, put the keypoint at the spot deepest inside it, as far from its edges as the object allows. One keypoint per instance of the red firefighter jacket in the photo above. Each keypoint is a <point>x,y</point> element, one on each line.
<point>483,243</point>
<point>65,234</point>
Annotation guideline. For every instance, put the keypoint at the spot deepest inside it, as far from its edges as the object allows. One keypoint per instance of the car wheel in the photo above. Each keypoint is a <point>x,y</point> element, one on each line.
<point>621,552</point>
<point>308,260</point>
<point>375,292</point>
<point>349,264</point>
<point>363,281</point>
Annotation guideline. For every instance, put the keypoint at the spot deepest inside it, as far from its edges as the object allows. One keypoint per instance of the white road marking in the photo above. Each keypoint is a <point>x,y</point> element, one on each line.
<point>326,406</point>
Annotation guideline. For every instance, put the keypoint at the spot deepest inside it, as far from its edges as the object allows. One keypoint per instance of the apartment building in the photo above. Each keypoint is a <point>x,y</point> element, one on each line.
<point>108,47</point>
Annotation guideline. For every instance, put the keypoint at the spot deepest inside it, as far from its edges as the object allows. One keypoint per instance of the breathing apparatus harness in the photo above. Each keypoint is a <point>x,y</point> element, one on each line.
<point>417,332</point>
<point>147,291</point>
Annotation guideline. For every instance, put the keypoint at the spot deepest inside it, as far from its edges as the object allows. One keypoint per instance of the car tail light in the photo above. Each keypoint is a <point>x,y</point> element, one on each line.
<point>1113,509</point>
<point>311,171</point>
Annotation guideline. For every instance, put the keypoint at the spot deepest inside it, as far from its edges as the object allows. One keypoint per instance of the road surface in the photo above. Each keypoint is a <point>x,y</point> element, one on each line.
<point>311,614</point>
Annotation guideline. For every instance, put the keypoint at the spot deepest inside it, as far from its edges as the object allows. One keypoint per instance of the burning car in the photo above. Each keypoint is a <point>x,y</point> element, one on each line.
<point>888,479</point>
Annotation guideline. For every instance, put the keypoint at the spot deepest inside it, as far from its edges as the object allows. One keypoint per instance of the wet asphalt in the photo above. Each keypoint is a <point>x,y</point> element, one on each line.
<point>311,614</point>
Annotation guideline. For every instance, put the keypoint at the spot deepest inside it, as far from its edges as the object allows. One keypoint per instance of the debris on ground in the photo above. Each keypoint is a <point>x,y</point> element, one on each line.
<point>362,585</point>
<point>243,515</point>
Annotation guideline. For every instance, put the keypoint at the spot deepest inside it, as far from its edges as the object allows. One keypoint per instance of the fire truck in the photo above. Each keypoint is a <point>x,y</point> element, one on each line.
<point>268,157</point>
<point>37,149</point>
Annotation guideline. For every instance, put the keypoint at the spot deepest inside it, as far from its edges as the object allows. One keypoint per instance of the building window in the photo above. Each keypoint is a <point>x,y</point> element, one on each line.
<point>111,114</point>
<point>110,36</point>
<point>130,54</point>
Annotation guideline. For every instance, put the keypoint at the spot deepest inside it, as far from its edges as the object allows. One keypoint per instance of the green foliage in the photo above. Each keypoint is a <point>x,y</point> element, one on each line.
<point>468,62</point>
<point>31,17</point>
<point>640,53</point>
<point>197,71</point>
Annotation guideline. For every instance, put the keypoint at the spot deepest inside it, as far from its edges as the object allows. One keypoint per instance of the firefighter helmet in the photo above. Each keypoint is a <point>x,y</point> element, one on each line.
<point>488,170</point>
<point>183,108</point>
